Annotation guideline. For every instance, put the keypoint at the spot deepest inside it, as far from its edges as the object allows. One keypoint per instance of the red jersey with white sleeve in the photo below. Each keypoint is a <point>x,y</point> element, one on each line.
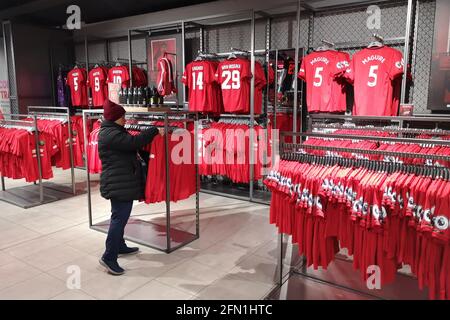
<point>199,78</point>
<point>166,82</point>
<point>99,88</point>
<point>321,70</point>
<point>77,81</point>
<point>120,75</point>
<point>372,72</point>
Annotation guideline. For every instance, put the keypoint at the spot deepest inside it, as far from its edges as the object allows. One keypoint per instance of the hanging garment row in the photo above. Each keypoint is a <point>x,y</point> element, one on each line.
<point>78,80</point>
<point>384,219</point>
<point>376,145</point>
<point>375,72</point>
<point>225,150</point>
<point>217,87</point>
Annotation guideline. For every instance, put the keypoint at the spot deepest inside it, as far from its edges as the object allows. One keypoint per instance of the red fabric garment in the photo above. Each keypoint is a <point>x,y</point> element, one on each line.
<point>77,81</point>
<point>120,75</point>
<point>97,81</point>
<point>372,72</point>
<point>322,70</point>
<point>204,93</point>
<point>93,158</point>
<point>139,77</point>
<point>360,209</point>
<point>181,170</point>
<point>166,82</point>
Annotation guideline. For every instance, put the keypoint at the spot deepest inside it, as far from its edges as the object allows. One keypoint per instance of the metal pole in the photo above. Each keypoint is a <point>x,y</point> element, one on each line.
<point>294,126</point>
<point>38,155</point>
<point>88,176</point>
<point>252,103</point>
<point>406,50</point>
<point>3,183</point>
<point>280,259</point>
<point>86,52</point>
<point>167,155</point>
<point>72,164</point>
<point>197,178</point>
<point>130,58</point>
<point>183,58</point>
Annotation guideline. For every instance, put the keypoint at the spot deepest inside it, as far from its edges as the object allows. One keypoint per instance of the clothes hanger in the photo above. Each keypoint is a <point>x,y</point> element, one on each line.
<point>378,43</point>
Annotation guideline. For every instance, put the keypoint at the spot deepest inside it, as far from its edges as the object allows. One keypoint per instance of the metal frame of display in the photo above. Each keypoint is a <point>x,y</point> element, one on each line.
<point>186,237</point>
<point>26,196</point>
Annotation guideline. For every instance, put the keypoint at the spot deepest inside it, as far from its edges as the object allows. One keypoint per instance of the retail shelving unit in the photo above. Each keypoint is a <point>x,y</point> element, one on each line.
<point>162,235</point>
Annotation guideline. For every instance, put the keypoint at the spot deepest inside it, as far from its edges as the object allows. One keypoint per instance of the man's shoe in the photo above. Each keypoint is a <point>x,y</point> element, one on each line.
<point>128,250</point>
<point>112,267</point>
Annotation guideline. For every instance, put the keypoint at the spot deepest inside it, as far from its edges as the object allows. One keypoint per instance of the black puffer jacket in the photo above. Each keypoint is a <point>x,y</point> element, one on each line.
<point>121,177</point>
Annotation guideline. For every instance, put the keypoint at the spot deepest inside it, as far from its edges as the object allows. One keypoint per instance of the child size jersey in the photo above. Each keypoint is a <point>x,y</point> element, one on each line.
<point>99,88</point>
<point>322,71</point>
<point>77,81</point>
<point>166,83</point>
<point>120,75</point>
<point>372,71</point>
<point>199,78</point>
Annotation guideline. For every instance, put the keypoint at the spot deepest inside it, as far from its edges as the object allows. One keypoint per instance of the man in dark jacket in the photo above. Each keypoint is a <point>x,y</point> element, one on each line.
<point>122,179</point>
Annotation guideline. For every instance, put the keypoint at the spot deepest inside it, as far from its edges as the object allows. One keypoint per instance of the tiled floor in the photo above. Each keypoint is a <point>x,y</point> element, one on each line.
<point>233,259</point>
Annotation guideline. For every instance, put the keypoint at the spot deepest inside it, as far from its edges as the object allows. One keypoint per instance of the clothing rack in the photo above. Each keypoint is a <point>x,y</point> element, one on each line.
<point>63,113</point>
<point>145,232</point>
<point>295,152</point>
<point>26,196</point>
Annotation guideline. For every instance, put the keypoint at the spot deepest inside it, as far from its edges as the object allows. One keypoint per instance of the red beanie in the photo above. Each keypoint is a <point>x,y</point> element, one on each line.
<point>112,111</point>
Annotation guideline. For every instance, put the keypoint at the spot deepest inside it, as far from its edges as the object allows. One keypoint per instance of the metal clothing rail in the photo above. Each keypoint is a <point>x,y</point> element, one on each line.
<point>144,232</point>
<point>384,129</point>
<point>26,196</point>
<point>63,112</point>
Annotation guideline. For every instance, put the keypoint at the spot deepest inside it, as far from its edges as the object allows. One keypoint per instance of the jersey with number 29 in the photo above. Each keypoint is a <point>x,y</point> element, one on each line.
<point>234,77</point>
<point>372,71</point>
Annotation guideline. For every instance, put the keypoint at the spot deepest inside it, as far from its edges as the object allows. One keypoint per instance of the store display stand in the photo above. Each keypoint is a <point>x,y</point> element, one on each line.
<point>59,190</point>
<point>288,151</point>
<point>163,237</point>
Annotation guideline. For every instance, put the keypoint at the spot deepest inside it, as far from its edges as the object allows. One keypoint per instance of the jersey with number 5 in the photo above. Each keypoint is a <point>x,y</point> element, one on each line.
<point>372,71</point>
<point>76,80</point>
<point>234,77</point>
<point>322,71</point>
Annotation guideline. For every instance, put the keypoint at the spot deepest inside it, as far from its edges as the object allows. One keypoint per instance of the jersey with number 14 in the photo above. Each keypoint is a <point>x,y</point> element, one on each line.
<point>204,93</point>
<point>372,71</point>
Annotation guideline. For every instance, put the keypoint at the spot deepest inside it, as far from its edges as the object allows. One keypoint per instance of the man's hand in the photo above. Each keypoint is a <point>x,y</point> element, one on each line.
<point>161,131</point>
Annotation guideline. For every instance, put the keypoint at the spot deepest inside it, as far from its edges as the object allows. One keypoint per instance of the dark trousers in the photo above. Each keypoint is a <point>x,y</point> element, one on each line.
<point>120,212</point>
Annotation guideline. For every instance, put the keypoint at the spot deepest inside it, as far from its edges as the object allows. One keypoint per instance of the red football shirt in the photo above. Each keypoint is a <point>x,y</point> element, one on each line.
<point>372,71</point>
<point>119,74</point>
<point>99,88</point>
<point>76,80</point>
<point>321,70</point>
<point>199,78</point>
<point>234,76</point>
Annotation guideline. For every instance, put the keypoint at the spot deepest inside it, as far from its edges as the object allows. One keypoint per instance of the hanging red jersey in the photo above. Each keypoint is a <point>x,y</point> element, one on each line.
<point>99,88</point>
<point>321,70</point>
<point>166,84</point>
<point>120,75</point>
<point>203,90</point>
<point>77,81</point>
<point>372,71</point>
